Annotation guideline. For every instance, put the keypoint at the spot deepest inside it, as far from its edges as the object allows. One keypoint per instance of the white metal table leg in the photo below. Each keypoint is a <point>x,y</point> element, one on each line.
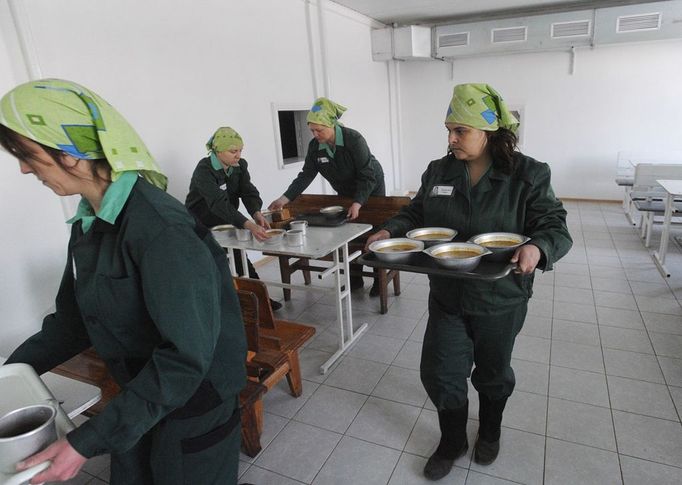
<point>659,256</point>
<point>344,328</point>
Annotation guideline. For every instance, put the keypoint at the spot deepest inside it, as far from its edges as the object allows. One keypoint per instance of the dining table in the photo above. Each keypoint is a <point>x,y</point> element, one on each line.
<point>673,189</point>
<point>317,243</point>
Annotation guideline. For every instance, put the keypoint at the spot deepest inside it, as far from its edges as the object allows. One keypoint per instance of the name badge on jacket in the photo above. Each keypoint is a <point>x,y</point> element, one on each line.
<point>442,191</point>
<point>322,160</point>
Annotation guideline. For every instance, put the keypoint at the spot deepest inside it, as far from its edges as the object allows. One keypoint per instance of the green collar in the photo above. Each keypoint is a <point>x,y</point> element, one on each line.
<point>338,142</point>
<point>215,163</point>
<point>113,201</point>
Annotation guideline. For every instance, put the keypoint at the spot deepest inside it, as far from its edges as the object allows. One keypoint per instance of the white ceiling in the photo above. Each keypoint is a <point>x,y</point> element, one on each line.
<point>439,11</point>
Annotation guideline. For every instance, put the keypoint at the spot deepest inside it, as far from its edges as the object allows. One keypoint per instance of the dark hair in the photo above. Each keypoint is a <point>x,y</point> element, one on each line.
<point>502,145</point>
<point>13,142</point>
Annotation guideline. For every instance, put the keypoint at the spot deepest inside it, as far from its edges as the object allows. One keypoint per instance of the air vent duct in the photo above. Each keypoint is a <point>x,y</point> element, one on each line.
<point>459,39</point>
<point>638,23</point>
<point>578,28</point>
<point>509,34</point>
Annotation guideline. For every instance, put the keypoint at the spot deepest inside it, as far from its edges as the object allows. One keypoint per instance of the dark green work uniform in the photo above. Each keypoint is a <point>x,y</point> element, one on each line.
<point>153,294</point>
<point>473,321</point>
<point>349,167</point>
<point>214,196</point>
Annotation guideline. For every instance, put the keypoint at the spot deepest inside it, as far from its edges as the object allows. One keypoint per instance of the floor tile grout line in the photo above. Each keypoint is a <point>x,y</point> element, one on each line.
<point>658,361</point>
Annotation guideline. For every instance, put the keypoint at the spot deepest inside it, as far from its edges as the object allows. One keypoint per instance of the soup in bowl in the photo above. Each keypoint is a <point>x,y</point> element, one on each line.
<point>502,245</point>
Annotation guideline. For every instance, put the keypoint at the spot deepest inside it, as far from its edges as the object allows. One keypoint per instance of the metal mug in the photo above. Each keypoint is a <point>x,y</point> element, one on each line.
<point>295,237</point>
<point>23,433</point>
<point>243,235</point>
<point>299,226</point>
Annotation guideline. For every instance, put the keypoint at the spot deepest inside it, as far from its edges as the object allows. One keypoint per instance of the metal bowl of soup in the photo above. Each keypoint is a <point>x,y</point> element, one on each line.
<point>274,236</point>
<point>460,256</point>
<point>502,245</point>
<point>432,235</point>
<point>395,250</point>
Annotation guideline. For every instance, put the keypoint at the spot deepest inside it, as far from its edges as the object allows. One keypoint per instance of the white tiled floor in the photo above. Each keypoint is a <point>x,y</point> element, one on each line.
<point>599,381</point>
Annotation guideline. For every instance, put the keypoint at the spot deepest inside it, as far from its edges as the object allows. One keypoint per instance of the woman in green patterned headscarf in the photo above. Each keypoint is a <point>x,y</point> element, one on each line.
<point>482,186</point>
<point>342,157</point>
<point>218,183</point>
<point>143,284</point>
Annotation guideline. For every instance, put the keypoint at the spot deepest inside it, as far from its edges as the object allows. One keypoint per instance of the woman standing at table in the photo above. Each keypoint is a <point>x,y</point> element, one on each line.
<point>218,182</point>
<point>342,157</point>
<point>481,186</point>
<point>143,284</point>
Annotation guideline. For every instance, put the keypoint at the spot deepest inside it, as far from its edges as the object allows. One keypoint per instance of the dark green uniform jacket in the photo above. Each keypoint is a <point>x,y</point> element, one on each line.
<point>214,197</point>
<point>154,296</point>
<point>352,171</point>
<point>522,203</point>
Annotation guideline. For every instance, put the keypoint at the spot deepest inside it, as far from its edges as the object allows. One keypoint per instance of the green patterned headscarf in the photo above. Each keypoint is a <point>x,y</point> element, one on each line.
<point>224,139</point>
<point>481,107</point>
<point>69,117</point>
<point>325,112</point>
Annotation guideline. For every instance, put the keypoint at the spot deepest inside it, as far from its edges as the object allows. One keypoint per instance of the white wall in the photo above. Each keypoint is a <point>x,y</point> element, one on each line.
<point>33,238</point>
<point>621,97</point>
<point>177,70</point>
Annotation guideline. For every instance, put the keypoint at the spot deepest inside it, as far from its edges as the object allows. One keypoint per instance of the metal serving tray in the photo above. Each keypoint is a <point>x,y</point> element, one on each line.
<point>20,386</point>
<point>317,219</point>
<point>423,263</point>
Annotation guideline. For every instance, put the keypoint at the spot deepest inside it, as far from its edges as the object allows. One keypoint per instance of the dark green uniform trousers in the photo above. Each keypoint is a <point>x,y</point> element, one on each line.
<point>191,450</point>
<point>454,340</point>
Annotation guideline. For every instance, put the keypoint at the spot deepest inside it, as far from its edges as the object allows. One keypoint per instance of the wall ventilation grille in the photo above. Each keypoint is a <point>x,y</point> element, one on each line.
<point>509,34</point>
<point>460,39</point>
<point>579,28</point>
<point>638,23</point>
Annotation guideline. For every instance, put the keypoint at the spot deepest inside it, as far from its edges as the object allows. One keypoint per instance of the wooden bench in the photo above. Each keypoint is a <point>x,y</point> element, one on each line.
<point>375,212</point>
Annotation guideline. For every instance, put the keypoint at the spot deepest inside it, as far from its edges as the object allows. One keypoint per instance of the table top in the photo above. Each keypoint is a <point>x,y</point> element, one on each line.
<point>673,187</point>
<point>317,242</point>
<point>74,396</point>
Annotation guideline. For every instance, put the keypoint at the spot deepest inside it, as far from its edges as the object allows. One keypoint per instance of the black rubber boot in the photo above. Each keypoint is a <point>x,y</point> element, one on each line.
<point>490,420</point>
<point>356,282</point>
<point>453,442</point>
<point>375,290</point>
<point>275,305</point>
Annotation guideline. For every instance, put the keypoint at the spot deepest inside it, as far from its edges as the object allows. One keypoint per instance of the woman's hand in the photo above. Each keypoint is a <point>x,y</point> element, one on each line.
<point>526,258</point>
<point>261,220</point>
<point>277,204</point>
<point>257,231</point>
<point>66,462</point>
<point>377,236</point>
<point>353,211</point>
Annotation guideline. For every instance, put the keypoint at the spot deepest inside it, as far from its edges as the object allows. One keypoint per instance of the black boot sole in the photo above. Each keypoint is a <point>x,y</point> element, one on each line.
<point>438,467</point>
<point>485,452</point>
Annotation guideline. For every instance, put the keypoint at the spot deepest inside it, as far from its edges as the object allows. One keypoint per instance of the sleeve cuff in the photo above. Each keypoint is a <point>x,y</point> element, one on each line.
<point>86,441</point>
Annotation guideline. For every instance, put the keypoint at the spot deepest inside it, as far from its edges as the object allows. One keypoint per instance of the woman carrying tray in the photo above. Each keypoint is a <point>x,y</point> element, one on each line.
<point>145,285</point>
<point>482,185</point>
<point>342,157</point>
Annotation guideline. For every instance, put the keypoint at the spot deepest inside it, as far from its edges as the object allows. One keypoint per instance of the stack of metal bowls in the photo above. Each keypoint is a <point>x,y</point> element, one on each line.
<point>458,256</point>
<point>224,232</point>
<point>431,236</point>
<point>395,250</point>
<point>502,245</point>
